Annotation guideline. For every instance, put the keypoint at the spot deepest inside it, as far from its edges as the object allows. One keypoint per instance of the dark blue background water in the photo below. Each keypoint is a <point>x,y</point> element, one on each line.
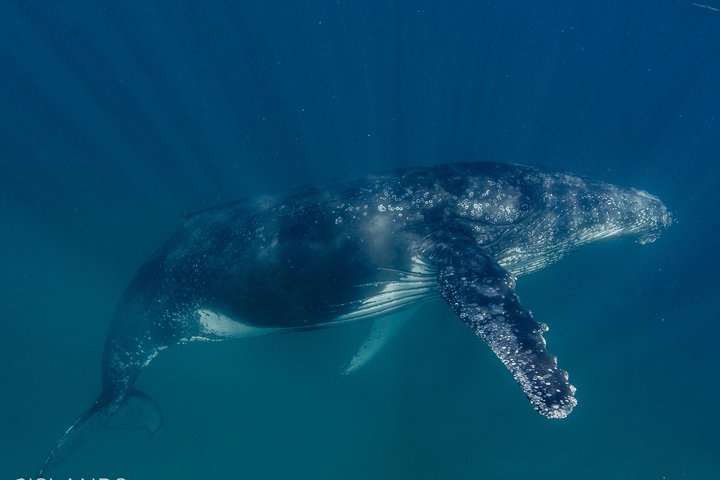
<point>118,117</point>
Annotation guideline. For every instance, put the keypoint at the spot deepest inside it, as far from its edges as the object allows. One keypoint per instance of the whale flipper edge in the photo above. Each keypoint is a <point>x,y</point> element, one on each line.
<point>482,294</point>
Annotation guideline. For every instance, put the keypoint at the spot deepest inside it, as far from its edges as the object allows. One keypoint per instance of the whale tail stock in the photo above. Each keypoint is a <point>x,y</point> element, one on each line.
<point>135,409</point>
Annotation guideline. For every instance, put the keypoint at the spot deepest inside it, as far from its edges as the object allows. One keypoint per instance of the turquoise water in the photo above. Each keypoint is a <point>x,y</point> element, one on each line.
<point>115,120</point>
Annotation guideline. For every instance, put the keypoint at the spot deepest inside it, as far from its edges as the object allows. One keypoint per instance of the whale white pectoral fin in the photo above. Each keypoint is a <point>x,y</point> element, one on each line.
<point>482,294</point>
<point>138,410</point>
<point>382,331</point>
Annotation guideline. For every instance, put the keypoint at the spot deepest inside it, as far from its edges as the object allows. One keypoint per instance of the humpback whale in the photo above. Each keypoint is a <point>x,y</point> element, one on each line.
<point>371,249</point>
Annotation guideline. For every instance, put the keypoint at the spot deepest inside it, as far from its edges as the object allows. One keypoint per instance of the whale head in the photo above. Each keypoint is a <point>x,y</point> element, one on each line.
<point>568,211</point>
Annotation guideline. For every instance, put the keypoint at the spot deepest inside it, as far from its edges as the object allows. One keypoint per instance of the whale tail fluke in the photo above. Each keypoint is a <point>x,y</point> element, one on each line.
<point>84,427</point>
<point>136,410</point>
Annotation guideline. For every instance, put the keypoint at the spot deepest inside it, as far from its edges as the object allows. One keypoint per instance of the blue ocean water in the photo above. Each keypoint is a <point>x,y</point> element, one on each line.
<point>116,118</point>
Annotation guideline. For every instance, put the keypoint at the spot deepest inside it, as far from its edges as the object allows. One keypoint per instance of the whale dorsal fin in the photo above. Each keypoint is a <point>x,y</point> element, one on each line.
<point>382,331</point>
<point>482,294</point>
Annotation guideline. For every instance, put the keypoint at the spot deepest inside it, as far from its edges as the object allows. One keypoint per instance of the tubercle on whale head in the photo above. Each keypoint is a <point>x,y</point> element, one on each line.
<point>652,217</point>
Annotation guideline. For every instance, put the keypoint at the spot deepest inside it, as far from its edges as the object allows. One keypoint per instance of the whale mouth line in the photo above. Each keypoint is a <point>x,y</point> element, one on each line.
<point>669,218</point>
<point>664,221</point>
